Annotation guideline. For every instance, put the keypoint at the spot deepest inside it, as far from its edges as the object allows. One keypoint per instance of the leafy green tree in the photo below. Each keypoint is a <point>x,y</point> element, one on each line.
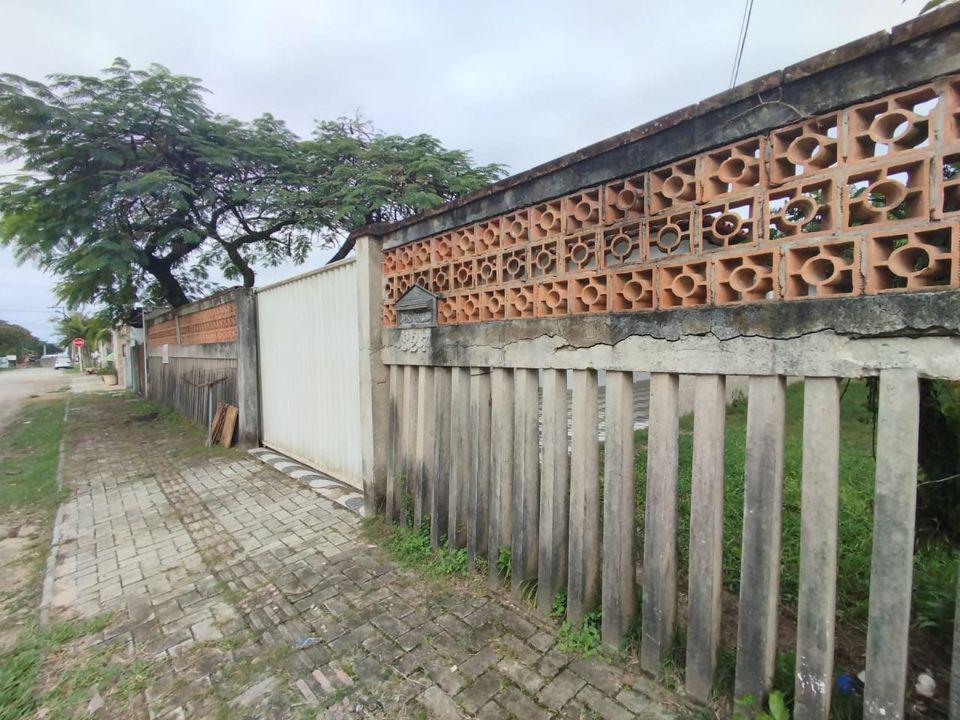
<point>132,190</point>
<point>17,340</point>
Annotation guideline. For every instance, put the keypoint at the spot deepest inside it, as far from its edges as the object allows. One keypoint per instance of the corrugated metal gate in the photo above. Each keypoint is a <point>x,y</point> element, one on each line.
<point>309,369</point>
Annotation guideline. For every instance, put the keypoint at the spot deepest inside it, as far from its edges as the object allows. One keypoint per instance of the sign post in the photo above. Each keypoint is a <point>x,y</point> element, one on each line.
<point>78,344</point>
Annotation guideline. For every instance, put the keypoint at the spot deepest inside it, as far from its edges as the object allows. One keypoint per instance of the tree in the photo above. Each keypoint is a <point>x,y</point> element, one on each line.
<point>94,329</point>
<point>377,178</point>
<point>132,190</point>
<point>17,340</point>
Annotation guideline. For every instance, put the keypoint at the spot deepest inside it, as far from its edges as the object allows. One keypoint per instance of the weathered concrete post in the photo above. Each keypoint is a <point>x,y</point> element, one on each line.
<point>584,549</point>
<point>500,516</point>
<point>374,386</point>
<point>619,512</point>
<point>248,372</point>
<point>526,480</point>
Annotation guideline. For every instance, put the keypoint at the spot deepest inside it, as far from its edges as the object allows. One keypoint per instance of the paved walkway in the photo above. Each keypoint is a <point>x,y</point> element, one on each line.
<point>252,596</point>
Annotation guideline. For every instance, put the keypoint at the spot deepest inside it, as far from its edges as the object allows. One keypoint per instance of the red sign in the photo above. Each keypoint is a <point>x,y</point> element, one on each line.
<point>78,342</point>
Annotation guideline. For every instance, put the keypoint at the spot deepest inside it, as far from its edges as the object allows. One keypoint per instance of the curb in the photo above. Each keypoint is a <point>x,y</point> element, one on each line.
<point>328,487</point>
<point>49,571</point>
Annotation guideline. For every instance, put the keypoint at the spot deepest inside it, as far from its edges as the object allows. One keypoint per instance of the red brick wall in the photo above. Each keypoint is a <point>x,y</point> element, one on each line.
<point>213,325</point>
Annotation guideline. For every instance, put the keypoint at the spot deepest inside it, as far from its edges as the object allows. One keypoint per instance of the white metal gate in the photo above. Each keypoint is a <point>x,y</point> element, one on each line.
<point>309,369</point>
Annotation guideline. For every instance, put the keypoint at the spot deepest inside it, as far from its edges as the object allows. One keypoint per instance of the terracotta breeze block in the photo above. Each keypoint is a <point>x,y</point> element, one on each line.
<point>397,285</point>
<point>521,301</point>
<point>747,277</point>
<point>468,308</point>
<point>515,228</point>
<point>422,254</point>
<point>463,275</point>
<point>447,310</point>
<point>514,265</point>
<point>581,211</point>
<point>823,269</point>
<point>895,124</point>
<point>683,285</point>
<point>673,185</point>
<point>913,259</point>
<point>948,185</point>
<point>440,279</point>
<point>623,245</point>
<point>670,235</point>
<point>631,290</point>
<point>730,222</point>
<point>544,260</point>
<point>808,147</point>
<point>623,200</point>
<point>546,220</point>
<point>803,208</point>
<point>404,255</point>
<point>580,252</point>
<point>389,316</point>
<point>422,278</point>
<point>488,236</point>
<point>443,248</point>
<point>951,129</point>
<point>551,298</point>
<point>493,305</point>
<point>588,294</point>
<point>462,242</point>
<point>887,192</point>
<point>488,270</point>
<point>733,169</point>
<point>388,265</point>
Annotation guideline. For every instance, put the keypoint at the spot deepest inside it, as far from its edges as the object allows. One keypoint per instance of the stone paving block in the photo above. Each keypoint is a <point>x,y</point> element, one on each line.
<point>521,675</point>
<point>603,705</point>
<point>474,696</point>
<point>438,704</point>
<point>561,689</point>
<point>519,705</point>
<point>598,673</point>
<point>214,562</point>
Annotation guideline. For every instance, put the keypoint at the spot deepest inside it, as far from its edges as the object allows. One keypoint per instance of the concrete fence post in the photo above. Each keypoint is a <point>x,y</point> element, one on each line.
<point>248,371</point>
<point>374,385</point>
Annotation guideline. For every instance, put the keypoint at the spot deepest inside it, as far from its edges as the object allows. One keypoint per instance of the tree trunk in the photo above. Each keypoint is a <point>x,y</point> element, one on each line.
<point>249,278</point>
<point>170,287</point>
<point>342,251</point>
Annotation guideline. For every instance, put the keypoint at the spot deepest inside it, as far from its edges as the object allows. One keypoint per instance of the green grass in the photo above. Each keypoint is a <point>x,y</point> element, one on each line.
<point>29,451</point>
<point>411,549</point>
<point>20,667</point>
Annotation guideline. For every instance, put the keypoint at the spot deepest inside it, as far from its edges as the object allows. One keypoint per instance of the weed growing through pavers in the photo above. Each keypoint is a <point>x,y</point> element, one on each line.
<point>582,638</point>
<point>411,549</point>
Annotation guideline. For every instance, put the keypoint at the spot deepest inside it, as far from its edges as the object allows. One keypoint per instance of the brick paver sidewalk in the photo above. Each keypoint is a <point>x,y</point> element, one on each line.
<point>252,596</point>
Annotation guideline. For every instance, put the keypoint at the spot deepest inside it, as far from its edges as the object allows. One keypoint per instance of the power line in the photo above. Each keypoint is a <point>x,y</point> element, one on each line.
<point>741,43</point>
<point>14,308</point>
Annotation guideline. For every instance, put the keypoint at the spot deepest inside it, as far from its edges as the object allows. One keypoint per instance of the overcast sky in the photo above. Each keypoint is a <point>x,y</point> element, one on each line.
<point>513,82</point>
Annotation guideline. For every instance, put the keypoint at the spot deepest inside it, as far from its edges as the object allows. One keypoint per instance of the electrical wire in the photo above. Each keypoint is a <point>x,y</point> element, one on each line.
<point>742,41</point>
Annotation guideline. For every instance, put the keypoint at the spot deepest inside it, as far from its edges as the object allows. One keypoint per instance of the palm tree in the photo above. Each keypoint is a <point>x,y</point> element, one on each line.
<point>94,330</point>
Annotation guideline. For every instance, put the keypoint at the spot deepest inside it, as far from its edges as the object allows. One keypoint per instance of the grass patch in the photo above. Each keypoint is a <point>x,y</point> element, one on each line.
<point>411,549</point>
<point>20,667</point>
<point>935,570</point>
<point>29,452</point>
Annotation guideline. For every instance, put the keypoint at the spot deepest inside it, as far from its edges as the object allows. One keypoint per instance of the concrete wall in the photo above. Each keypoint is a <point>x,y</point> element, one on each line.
<point>203,354</point>
<point>574,267</point>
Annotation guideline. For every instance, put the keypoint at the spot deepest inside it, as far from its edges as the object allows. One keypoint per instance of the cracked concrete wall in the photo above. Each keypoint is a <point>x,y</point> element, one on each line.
<point>843,337</point>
